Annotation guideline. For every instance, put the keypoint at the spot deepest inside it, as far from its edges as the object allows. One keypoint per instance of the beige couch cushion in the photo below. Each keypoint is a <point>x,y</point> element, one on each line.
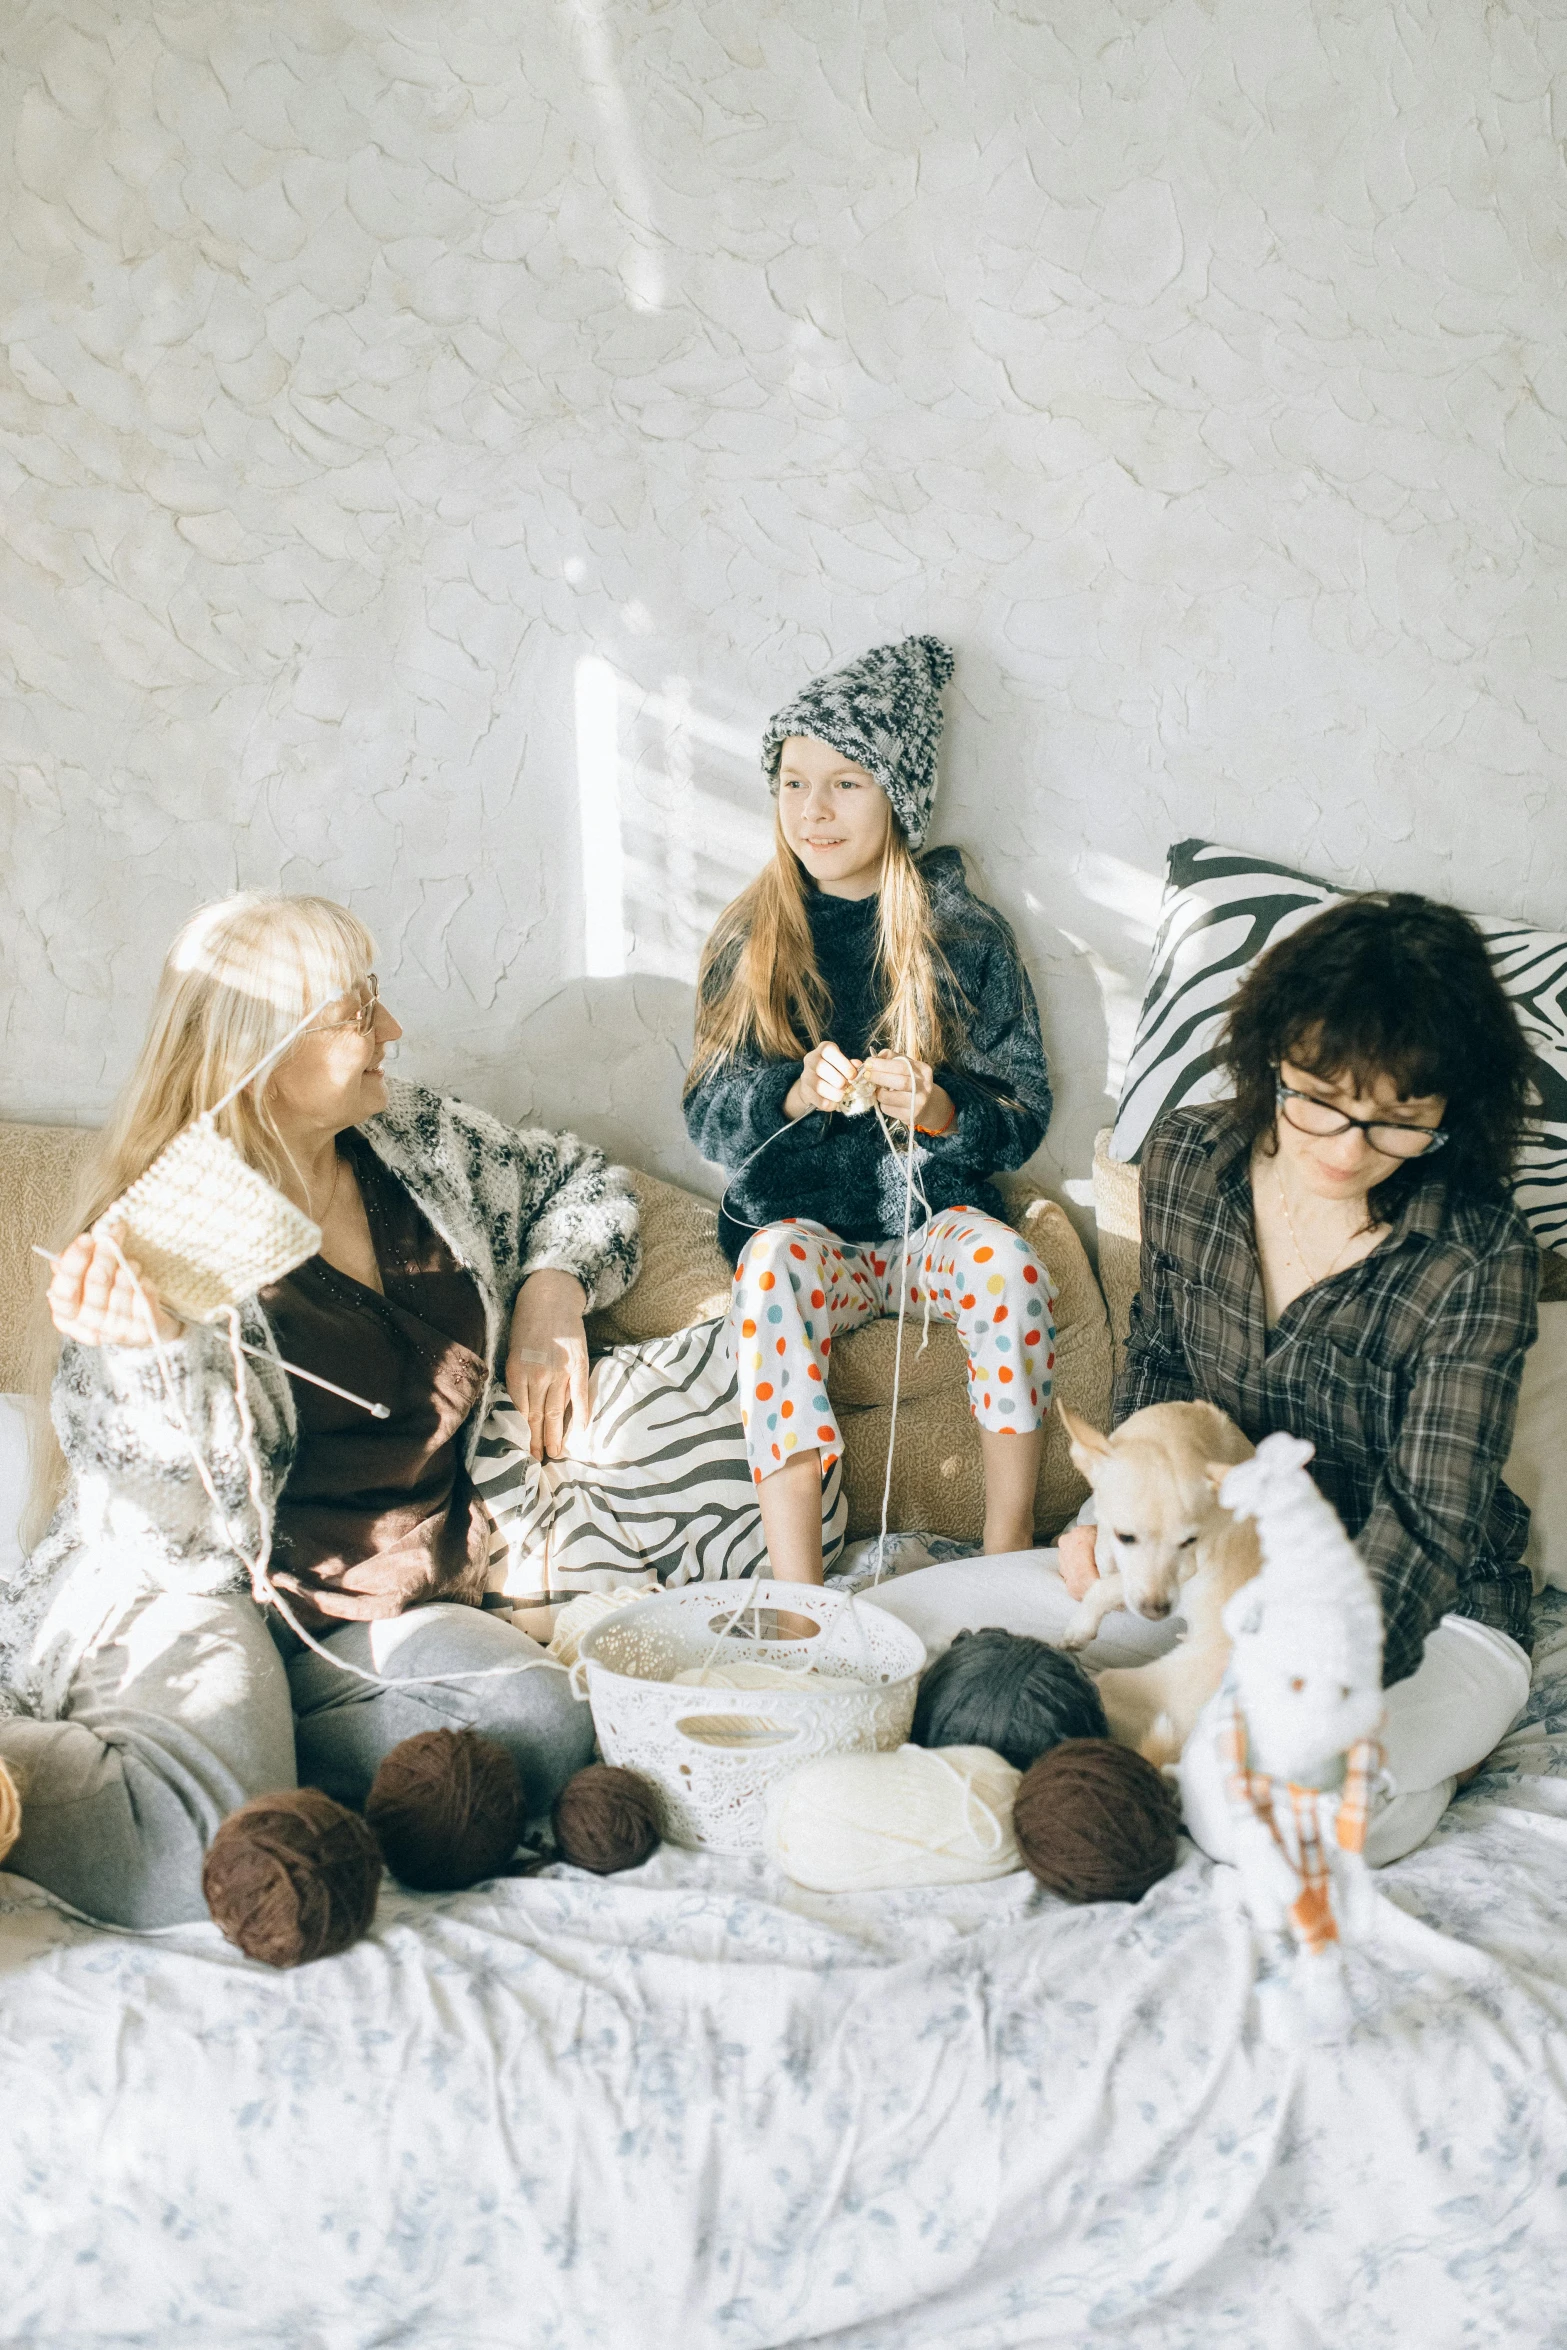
<point>685,1276</point>
<point>39,1166</point>
<point>1120,1238</point>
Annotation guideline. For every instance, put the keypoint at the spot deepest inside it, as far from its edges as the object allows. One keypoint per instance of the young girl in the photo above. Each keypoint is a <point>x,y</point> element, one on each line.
<point>851,956</point>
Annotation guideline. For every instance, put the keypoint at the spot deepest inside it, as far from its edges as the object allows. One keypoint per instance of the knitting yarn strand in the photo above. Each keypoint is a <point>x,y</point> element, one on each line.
<point>257,1564</point>
<point>910,1187</point>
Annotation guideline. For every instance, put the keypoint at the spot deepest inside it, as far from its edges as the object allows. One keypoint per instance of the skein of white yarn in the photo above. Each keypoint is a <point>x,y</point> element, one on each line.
<point>579,1616</point>
<point>10,1812</point>
<point>864,1823</point>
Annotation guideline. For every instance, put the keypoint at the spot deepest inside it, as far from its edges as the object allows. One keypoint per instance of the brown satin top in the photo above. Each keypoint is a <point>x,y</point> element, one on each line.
<point>379,1516</point>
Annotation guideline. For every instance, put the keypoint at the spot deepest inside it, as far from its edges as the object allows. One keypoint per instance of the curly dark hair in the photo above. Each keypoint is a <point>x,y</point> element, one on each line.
<point>1390,985</point>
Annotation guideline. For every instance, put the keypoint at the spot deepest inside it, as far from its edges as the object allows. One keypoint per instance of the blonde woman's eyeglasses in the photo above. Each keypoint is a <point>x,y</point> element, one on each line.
<point>364,1019</point>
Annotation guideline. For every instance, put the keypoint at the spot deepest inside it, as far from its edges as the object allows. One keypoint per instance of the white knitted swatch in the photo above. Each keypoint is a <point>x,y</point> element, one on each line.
<point>205,1228</point>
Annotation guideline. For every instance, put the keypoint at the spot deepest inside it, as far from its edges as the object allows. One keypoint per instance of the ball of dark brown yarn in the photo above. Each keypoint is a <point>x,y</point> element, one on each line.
<point>446,1808</point>
<point>1095,1822</point>
<point>292,1877</point>
<point>607,1819</point>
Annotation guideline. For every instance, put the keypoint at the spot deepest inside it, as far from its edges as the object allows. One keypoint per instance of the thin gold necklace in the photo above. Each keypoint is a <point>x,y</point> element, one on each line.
<point>1305,1262</point>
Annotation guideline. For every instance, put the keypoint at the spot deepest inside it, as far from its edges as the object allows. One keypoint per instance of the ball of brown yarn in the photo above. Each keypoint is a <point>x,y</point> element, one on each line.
<point>446,1808</point>
<point>292,1877</point>
<point>607,1819</point>
<point>1095,1822</point>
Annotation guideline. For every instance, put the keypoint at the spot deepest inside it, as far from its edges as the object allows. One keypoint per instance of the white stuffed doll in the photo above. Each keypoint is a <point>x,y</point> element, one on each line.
<point>1298,1737</point>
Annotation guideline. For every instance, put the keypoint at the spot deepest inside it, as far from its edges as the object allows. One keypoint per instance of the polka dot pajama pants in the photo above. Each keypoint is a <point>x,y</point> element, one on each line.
<point>798,1287</point>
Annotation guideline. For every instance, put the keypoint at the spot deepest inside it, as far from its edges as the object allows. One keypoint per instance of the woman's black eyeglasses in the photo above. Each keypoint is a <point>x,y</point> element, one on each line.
<point>1308,1115</point>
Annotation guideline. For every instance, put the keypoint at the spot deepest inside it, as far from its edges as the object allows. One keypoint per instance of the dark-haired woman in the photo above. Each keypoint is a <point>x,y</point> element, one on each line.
<point>1335,1252</point>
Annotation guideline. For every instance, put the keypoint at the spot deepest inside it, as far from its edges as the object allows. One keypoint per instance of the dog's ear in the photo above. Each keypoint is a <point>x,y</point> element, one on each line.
<point>1216,1472</point>
<point>1087,1443</point>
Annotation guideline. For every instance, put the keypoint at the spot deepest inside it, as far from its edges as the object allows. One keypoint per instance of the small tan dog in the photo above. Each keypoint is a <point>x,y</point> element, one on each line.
<point>1164,1546</point>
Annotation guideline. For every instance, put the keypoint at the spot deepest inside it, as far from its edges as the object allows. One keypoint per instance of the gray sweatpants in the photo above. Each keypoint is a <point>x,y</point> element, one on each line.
<point>190,1709</point>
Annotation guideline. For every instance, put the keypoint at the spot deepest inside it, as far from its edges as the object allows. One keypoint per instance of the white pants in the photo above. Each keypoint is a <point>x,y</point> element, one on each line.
<point>1021,1591</point>
<point>1472,1685</point>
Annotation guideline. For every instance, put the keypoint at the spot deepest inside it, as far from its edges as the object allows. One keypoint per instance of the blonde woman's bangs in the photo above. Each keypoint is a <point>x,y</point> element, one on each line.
<point>285,955</point>
<point>238,978</point>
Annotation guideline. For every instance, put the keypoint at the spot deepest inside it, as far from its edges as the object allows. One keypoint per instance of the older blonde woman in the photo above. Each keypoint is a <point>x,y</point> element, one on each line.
<point>143,1694</point>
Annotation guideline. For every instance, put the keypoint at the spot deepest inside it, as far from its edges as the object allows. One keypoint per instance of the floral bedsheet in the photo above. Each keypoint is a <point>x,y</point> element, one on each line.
<point>699,2107</point>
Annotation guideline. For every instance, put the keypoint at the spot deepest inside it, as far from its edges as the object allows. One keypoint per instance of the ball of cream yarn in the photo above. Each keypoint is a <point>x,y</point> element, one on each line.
<point>865,1823</point>
<point>10,1812</point>
<point>582,1614</point>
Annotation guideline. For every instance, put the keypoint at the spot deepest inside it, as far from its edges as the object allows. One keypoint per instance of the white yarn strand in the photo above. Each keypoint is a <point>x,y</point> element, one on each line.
<point>265,1061</point>
<point>264,1589</point>
<point>903,1302</point>
<point>377,1411</point>
<point>911,1185</point>
<point>257,1567</point>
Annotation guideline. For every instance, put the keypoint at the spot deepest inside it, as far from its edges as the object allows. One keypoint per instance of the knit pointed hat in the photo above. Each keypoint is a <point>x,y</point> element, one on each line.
<point>883,711</point>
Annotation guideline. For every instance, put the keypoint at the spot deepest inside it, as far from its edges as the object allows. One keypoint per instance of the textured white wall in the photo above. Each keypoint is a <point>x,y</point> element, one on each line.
<point>435,432</point>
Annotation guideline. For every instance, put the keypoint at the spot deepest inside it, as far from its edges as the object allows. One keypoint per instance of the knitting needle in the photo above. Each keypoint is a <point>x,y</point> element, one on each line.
<point>377,1411</point>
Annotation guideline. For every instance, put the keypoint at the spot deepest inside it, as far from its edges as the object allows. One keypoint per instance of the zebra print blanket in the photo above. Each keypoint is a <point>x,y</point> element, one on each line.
<point>655,1486</point>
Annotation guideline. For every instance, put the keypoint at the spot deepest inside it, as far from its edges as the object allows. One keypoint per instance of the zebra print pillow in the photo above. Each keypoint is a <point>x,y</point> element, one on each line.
<point>1221,909</point>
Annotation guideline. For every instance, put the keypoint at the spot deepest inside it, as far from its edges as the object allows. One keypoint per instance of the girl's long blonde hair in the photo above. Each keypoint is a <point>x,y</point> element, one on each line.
<point>758,982</point>
<point>239,976</point>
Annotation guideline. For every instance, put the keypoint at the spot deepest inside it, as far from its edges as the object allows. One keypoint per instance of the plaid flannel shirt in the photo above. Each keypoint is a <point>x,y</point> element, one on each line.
<point>1402,1370</point>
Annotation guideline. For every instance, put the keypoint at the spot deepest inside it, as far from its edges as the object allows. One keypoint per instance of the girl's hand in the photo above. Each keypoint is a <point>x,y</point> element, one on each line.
<point>928,1104</point>
<point>547,1361</point>
<point>1079,1567</point>
<point>822,1083</point>
<point>93,1299</point>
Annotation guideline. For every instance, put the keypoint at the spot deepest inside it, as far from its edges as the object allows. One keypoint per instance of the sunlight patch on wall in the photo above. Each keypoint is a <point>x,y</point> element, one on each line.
<point>1125,889</point>
<point>673,821</point>
<point>1121,1000</point>
<point>642,269</point>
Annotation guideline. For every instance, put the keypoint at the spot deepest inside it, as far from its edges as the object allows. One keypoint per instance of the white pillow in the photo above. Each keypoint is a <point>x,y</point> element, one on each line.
<point>13,1478</point>
<point>1537,1465</point>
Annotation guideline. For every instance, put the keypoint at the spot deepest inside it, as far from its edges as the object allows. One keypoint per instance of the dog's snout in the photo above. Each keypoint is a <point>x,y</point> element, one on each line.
<point>1154,1610</point>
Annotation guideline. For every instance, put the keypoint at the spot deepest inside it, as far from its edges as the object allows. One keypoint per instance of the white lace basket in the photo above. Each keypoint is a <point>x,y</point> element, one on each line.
<point>713,1753</point>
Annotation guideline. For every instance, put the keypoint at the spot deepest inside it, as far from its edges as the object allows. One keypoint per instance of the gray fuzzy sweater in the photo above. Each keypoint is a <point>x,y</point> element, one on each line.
<point>838,1171</point>
<point>135,1517</point>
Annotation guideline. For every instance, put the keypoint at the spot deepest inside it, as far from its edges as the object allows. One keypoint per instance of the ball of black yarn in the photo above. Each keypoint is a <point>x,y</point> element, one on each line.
<point>446,1808</point>
<point>1003,1690</point>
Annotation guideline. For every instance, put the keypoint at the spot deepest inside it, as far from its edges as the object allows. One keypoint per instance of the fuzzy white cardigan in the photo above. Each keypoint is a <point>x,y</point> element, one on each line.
<point>135,1517</point>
